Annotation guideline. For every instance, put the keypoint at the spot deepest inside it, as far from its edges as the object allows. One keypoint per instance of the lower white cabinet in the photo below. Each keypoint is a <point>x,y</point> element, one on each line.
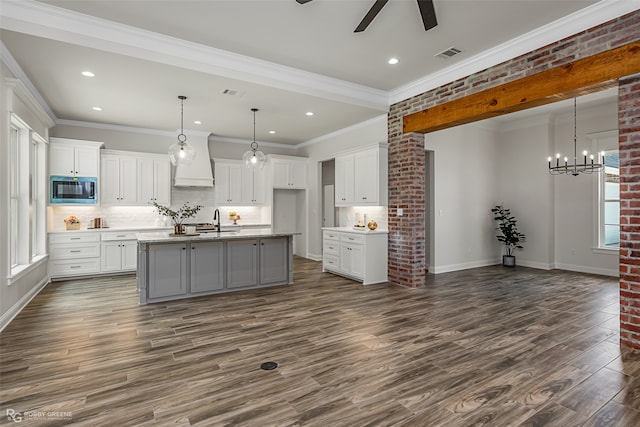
<point>357,255</point>
<point>73,254</point>
<point>207,266</point>
<point>119,256</point>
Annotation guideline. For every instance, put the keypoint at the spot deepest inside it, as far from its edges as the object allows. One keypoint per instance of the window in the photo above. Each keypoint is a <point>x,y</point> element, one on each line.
<point>610,201</point>
<point>27,196</point>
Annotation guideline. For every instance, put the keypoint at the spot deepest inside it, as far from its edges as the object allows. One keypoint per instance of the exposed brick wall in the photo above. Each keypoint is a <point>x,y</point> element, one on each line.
<point>406,245</point>
<point>629,141</point>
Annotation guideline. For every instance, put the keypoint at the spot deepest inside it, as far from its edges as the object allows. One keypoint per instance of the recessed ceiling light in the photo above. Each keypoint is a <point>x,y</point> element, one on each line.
<point>198,122</point>
<point>272,131</point>
<point>88,74</point>
<point>97,108</point>
<point>393,61</point>
<point>309,113</point>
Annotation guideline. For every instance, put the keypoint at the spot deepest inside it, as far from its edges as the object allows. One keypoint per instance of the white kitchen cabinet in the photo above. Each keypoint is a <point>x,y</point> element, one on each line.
<point>361,177</point>
<point>119,252</point>
<point>228,179</point>
<point>167,273</point>
<point>253,186</point>
<point>153,180</point>
<point>74,253</point>
<point>358,255</point>
<point>242,263</point>
<point>288,172</point>
<point>118,181</point>
<point>207,266</point>
<point>274,266</point>
<point>70,157</point>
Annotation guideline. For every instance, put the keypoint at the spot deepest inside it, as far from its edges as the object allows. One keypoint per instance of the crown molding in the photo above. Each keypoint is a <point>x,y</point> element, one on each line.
<point>342,131</point>
<point>18,88</point>
<point>591,16</point>
<point>43,20</point>
<point>220,138</point>
<point>131,129</point>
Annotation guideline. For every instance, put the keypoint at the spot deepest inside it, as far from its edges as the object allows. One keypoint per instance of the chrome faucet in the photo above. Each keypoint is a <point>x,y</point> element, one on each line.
<point>216,217</point>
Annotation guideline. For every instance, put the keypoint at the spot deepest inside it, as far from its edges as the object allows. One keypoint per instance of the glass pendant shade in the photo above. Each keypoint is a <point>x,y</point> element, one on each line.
<point>181,153</point>
<point>254,158</point>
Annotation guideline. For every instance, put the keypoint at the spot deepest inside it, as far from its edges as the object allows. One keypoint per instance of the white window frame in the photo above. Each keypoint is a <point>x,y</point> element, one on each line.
<point>28,197</point>
<point>601,141</point>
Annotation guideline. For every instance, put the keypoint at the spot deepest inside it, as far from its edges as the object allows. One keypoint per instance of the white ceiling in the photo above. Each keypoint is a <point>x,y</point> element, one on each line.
<point>282,57</point>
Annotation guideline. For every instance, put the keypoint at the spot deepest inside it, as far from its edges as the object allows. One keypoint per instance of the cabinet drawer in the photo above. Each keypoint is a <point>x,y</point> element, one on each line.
<point>128,235</point>
<point>331,247</point>
<point>352,238</point>
<point>331,235</point>
<point>74,238</point>
<point>330,262</point>
<point>74,250</point>
<point>70,267</point>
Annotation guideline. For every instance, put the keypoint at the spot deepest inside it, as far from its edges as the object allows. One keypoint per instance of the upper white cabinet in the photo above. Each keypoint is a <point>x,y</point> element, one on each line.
<point>118,180</point>
<point>134,179</point>
<point>253,186</point>
<point>73,157</point>
<point>288,172</point>
<point>154,180</point>
<point>228,179</point>
<point>361,177</point>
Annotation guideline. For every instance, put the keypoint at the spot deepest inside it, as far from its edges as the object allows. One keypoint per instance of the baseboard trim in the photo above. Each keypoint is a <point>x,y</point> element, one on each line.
<point>314,257</point>
<point>10,314</point>
<point>589,270</point>
<point>463,266</point>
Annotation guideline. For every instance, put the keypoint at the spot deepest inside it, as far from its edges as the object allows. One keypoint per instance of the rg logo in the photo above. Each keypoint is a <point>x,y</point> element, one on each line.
<point>14,416</point>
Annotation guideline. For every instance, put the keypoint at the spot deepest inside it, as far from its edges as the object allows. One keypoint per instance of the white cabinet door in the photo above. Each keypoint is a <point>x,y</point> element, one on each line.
<point>61,160</point>
<point>162,180</point>
<point>228,188</point>
<point>167,270</point>
<point>128,181</point>
<point>242,263</point>
<point>86,161</point>
<point>253,186</point>
<point>111,259</point>
<point>207,266</point>
<point>274,266</point>
<point>344,180</point>
<point>366,176</point>
<point>298,174</point>
<point>129,255</point>
<point>280,173</point>
<point>110,180</point>
<point>146,178</point>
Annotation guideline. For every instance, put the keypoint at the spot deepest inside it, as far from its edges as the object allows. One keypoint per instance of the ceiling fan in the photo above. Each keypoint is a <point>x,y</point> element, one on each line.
<point>426,10</point>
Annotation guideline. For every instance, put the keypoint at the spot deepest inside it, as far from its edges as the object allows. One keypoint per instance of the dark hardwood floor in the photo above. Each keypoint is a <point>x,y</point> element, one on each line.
<point>490,346</point>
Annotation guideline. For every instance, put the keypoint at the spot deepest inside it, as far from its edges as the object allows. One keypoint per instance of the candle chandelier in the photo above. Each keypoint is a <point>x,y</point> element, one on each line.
<point>587,166</point>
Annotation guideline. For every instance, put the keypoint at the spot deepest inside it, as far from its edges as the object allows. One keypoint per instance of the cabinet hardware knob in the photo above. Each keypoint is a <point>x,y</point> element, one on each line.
<point>184,249</point>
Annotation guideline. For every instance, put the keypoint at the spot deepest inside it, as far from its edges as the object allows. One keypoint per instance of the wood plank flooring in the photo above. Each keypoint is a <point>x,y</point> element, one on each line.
<point>484,347</point>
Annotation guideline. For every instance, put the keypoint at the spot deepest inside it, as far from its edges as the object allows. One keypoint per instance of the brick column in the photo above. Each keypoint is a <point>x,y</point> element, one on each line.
<point>629,140</point>
<point>406,191</point>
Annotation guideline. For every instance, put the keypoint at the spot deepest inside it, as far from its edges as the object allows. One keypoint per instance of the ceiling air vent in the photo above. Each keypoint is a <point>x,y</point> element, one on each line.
<point>452,51</point>
<point>231,92</point>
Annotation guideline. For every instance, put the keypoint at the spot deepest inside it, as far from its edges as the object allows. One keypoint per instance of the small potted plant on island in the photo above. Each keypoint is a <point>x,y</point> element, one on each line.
<point>510,236</point>
<point>178,217</point>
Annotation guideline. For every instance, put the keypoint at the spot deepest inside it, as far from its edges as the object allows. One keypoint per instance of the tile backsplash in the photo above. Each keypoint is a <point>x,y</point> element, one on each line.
<point>347,216</point>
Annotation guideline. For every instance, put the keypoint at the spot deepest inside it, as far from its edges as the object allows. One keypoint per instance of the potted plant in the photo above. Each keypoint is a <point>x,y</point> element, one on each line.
<point>178,217</point>
<point>509,234</point>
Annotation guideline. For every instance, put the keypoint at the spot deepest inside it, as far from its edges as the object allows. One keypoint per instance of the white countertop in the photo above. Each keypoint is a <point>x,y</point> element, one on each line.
<point>352,230</point>
<point>116,229</point>
<point>164,237</point>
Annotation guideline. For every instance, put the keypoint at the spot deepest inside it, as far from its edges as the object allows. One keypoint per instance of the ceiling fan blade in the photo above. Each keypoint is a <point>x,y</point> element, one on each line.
<point>377,6</point>
<point>428,14</point>
<point>303,1</point>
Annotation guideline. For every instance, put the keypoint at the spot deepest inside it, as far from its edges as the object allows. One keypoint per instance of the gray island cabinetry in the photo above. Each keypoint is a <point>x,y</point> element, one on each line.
<point>182,267</point>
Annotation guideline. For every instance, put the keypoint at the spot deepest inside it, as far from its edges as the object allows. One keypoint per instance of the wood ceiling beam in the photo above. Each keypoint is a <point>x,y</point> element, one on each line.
<point>587,75</point>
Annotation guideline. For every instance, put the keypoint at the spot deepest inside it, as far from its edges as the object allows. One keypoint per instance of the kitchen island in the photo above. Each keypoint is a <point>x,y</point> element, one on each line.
<point>193,265</point>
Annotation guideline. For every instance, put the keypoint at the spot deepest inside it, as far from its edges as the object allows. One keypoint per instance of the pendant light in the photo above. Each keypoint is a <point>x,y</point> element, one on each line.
<point>181,152</point>
<point>254,158</point>
<point>576,168</point>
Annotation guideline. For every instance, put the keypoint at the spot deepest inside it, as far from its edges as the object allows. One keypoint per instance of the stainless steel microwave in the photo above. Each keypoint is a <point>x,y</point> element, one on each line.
<point>73,190</point>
